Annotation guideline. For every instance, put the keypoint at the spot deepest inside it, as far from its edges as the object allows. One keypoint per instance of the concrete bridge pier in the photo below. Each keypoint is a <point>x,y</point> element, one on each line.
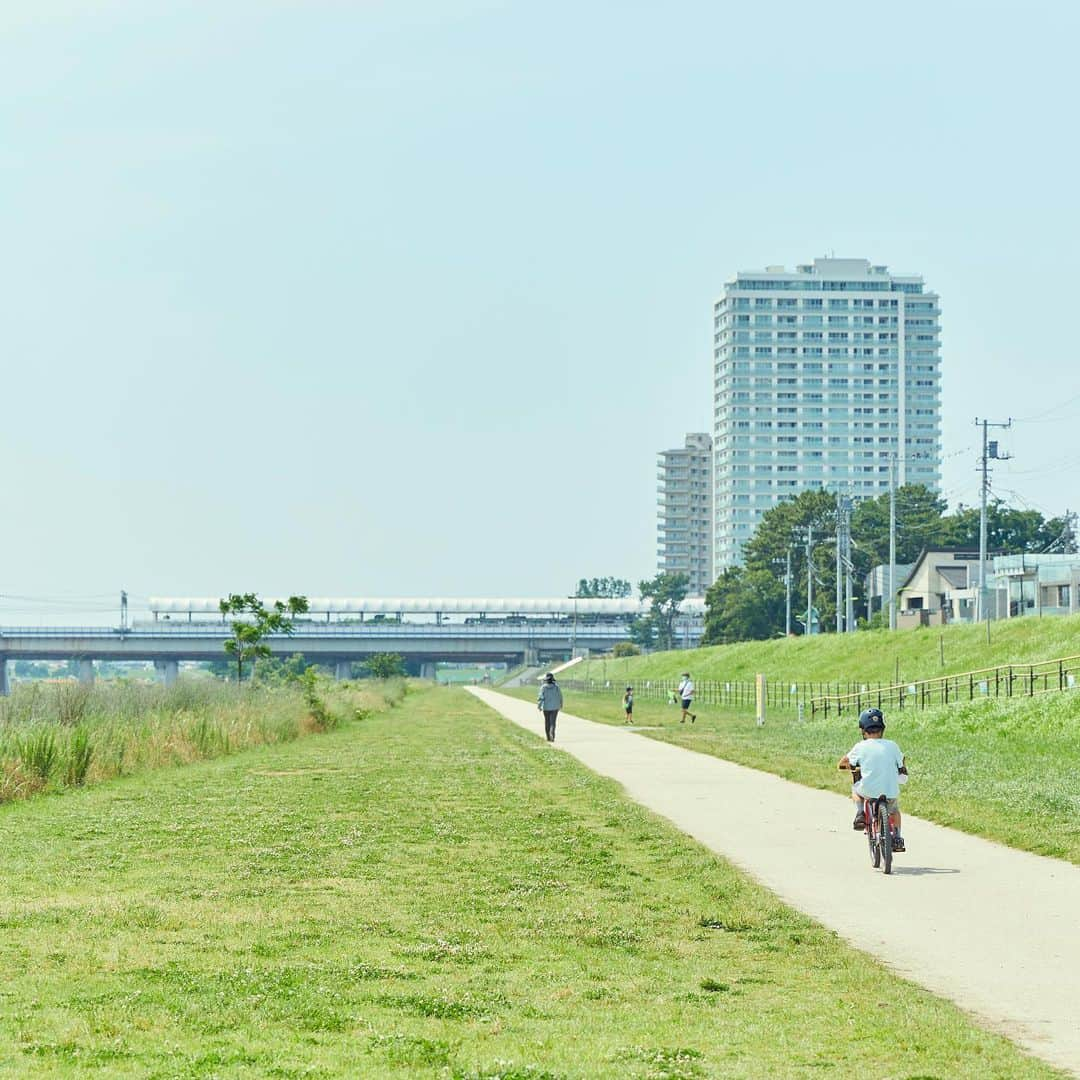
<point>167,671</point>
<point>343,670</point>
<point>5,689</point>
<point>86,672</point>
<point>427,670</point>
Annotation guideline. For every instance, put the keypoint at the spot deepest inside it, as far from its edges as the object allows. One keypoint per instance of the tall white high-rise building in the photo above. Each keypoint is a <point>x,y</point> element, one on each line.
<point>684,530</point>
<point>825,377</point>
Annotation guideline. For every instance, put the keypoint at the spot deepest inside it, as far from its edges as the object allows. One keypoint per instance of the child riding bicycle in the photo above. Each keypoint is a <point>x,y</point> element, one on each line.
<point>879,763</point>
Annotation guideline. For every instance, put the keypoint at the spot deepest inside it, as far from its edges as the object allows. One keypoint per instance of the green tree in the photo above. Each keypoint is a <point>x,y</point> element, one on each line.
<point>385,665</point>
<point>254,622</point>
<point>743,605</point>
<point>286,670</point>
<point>784,527</point>
<point>606,587</point>
<point>920,523</point>
<point>1008,531</point>
<point>643,631</point>
<point>625,648</point>
<point>665,593</point>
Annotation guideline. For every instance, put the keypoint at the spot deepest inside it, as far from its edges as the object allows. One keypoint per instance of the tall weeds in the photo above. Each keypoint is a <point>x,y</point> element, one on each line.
<point>66,735</point>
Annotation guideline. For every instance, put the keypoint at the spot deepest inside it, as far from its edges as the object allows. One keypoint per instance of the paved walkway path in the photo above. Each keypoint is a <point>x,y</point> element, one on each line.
<point>993,929</point>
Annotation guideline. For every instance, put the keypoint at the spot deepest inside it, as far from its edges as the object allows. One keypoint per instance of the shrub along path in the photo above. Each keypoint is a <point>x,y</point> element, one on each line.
<point>430,892</point>
<point>991,928</point>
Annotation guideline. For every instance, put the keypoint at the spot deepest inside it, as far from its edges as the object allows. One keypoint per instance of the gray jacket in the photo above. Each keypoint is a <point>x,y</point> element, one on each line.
<point>550,699</point>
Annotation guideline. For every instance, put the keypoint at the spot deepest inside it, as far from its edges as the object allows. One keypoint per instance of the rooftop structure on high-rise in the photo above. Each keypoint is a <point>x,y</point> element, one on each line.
<point>684,530</point>
<point>827,376</point>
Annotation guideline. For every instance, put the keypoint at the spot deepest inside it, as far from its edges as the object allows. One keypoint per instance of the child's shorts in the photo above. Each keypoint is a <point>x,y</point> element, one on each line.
<point>894,804</point>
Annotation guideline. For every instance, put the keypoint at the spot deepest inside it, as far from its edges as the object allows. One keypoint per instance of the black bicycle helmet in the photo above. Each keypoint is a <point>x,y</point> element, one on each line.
<point>871,720</point>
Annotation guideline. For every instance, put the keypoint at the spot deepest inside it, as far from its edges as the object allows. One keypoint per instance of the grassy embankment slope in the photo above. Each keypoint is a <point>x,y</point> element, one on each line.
<point>868,656</point>
<point>1005,769</point>
<point>429,892</point>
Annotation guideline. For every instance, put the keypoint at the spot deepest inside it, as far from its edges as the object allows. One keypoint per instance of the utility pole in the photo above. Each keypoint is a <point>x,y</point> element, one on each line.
<point>839,566</point>
<point>787,598</point>
<point>894,457</point>
<point>892,541</point>
<point>1069,537</point>
<point>809,579</point>
<point>123,609</point>
<point>845,618</point>
<point>849,603</point>
<point>989,452</point>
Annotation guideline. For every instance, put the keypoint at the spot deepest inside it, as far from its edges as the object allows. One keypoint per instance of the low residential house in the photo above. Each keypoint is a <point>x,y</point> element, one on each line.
<point>1037,584</point>
<point>943,586</point>
<point>877,585</point>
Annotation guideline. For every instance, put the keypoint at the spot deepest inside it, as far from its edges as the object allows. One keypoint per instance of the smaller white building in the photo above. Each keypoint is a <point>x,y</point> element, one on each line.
<point>1037,584</point>
<point>684,529</point>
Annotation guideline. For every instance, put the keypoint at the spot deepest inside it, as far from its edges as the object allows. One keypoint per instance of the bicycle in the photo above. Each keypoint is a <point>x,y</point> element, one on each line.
<point>879,832</point>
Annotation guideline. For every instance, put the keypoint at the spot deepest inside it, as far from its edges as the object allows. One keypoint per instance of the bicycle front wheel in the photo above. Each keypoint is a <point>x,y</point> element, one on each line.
<point>885,835</point>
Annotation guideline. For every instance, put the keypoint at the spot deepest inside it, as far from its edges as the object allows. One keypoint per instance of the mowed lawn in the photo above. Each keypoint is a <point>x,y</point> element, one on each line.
<point>1007,769</point>
<point>429,892</point>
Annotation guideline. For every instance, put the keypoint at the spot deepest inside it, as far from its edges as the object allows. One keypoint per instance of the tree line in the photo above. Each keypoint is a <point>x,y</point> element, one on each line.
<point>747,602</point>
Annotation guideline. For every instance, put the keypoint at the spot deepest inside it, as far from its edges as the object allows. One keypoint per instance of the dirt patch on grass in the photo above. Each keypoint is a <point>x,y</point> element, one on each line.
<point>312,771</point>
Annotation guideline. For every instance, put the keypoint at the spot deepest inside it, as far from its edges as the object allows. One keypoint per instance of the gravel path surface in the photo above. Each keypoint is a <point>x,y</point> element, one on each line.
<point>995,930</point>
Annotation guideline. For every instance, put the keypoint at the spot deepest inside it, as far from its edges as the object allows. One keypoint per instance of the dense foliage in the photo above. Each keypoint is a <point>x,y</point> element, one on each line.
<point>604,587</point>
<point>747,603</point>
<point>665,593</point>
<point>385,665</point>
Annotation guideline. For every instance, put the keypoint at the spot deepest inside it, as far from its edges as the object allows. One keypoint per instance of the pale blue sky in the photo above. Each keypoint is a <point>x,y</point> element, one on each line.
<point>402,298</point>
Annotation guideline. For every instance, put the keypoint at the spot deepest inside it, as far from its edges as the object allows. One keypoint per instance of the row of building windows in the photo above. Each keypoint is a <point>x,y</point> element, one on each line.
<point>744,337</point>
<point>812,367</point>
<point>825,285</point>
<point>816,351</point>
<point>819,320</point>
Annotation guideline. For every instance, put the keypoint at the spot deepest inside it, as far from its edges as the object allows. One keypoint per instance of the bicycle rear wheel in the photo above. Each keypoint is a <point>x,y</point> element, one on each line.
<point>885,834</point>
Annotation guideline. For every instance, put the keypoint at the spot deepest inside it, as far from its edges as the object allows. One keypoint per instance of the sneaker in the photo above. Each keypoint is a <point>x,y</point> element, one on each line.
<point>693,718</point>
<point>859,824</point>
<point>898,844</point>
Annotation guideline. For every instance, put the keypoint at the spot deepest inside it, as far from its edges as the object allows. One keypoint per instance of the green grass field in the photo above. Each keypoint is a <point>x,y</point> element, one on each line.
<point>1005,769</point>
<point>429,892</point>
<point>868,656</point>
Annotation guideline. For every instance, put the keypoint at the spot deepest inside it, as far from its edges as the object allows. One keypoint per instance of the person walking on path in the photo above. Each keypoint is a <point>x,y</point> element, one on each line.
<point>686,695</point>
<point>628,704</point>
<point>549,703</point>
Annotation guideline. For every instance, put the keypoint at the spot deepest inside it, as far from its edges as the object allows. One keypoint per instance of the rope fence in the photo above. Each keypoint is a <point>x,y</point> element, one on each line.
<point>837,698</point>
<point>1007,680</point>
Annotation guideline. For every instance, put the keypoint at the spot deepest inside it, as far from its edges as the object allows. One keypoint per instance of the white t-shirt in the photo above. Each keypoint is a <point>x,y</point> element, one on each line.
<point>686,689</point>
<point>880,761</point>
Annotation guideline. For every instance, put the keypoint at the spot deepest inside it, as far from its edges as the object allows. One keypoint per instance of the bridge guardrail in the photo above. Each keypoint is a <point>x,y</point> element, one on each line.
<point>357,630</point>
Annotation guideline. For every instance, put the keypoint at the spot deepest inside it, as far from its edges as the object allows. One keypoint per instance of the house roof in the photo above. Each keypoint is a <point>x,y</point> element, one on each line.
<point>927,553</point>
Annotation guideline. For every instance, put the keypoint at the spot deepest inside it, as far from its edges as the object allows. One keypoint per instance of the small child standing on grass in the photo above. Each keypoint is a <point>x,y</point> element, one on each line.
<point>628,704</point>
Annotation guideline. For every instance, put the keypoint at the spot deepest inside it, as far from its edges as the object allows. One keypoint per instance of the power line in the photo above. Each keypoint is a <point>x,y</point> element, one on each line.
<point>1040,417</point>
